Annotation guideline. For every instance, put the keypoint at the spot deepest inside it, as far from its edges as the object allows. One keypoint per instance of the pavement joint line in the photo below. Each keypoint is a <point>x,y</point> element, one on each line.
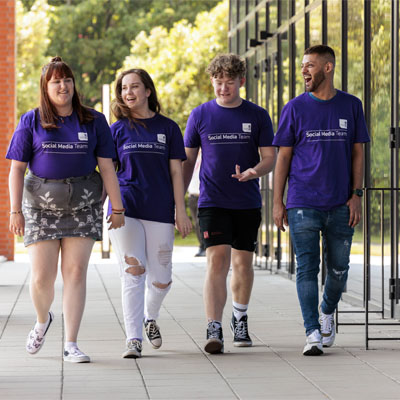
<point>15,303</point>
<point>185,284</point>
<point>205,355</point>
<point>123,330</point>
<point>294,367</point>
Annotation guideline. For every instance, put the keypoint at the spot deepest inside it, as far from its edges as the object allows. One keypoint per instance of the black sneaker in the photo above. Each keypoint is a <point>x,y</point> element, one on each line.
<point>240,332</point>
<point>153,333</point>
<point>215,339</point>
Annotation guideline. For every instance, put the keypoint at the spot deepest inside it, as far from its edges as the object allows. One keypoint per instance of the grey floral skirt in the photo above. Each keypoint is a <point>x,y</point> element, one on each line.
<point>59,208</point>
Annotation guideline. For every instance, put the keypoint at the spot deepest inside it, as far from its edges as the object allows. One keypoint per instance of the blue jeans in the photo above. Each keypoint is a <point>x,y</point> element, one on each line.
<point>305,226</point>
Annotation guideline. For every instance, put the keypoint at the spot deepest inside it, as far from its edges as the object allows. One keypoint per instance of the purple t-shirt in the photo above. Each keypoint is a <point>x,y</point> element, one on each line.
<point>68,151</point>
<point>228,136</point>
<point>322,134</point>
<point>143,166</point>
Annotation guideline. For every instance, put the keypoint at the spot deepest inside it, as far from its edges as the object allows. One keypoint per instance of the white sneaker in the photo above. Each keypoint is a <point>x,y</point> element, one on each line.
<point>74,355</point>
<point>153,333</point>
<point>327,322</point>
<point>133,349</point>
<point>313,345</point>
<point>35,339</point>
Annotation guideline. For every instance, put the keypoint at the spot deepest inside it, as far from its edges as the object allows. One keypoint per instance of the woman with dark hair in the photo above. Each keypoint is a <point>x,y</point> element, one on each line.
<point>57,206</point>
<point>149,161</point>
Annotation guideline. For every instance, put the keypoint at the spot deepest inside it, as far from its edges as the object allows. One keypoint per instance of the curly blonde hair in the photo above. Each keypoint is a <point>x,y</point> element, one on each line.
<point>227,64</point>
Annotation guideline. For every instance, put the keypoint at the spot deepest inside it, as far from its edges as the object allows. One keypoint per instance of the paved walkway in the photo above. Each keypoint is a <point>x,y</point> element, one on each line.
<point>273,368</point>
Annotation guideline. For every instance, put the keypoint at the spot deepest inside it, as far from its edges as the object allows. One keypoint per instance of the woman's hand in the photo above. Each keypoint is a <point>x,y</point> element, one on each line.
<point>183,223</point>
<point>17,224</point>
<point>116,220</point>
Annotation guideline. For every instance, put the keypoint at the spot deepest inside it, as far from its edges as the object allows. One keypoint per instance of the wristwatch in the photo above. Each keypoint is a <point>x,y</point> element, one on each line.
<point>358,192</point>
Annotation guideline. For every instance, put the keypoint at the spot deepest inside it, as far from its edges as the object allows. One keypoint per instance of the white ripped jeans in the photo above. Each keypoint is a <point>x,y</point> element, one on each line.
<point>147,245</point>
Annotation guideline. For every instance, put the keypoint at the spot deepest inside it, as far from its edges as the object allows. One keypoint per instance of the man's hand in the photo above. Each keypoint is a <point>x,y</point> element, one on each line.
<point>244,176</point>
<point>354,204</point>
<point>279,214</point>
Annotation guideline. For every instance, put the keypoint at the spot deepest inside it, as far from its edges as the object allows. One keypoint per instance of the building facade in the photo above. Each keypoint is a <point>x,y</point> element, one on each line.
<point>272,36</point>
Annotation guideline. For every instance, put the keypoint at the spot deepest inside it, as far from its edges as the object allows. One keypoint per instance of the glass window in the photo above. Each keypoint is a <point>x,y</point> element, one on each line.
<point>299,6</point>
<point>334,37</point>
<point>233,13</point>
<point>233,43</point>
<point>251,82</point>
<point>285,67</point>
<point>273,15</point>
<point>262,21</point>
<point>252,28</point>
<point>299,29</point>
<point>251,5</point>
<point>316,26</point>
<point>355,47</point>
<point>242,9</point>
<point>284,5</point>
<point>242,41</point>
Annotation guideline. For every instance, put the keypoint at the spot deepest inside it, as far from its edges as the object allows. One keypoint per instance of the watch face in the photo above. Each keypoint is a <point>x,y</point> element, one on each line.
<point>358,192</point>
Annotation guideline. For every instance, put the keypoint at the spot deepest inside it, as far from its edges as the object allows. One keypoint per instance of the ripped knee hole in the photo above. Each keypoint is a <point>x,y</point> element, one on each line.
<point>162,285</point>
<point>136,269</point>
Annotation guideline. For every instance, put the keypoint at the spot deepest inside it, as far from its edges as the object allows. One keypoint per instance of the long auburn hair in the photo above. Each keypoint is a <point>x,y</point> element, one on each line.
<point>120,109</point>
<point>48,112</point>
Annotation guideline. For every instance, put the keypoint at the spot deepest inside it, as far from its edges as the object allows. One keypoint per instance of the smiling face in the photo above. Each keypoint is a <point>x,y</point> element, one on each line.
<point>226,90</point>
<point>134,94</point>
<point>313,70</point>
<point>60,92</point>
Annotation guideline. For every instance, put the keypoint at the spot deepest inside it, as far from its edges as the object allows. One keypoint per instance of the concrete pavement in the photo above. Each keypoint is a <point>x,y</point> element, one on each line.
<point>274,368</point>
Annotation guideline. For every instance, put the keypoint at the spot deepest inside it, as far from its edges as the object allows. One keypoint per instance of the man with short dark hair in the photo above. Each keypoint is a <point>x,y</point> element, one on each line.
<point>232,134</point>
<point>320,139</point>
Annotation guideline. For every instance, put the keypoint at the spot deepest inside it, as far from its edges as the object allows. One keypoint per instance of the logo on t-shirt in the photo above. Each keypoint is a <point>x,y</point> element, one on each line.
<point>343,123</point>
<point>82,136</point>
<point>246,127</point>
<point>161,138</point>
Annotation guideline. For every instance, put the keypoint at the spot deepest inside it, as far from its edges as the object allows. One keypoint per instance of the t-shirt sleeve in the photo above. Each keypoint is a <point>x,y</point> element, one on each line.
<point>192,137</point>
<point>266,130</point>
<point>176,147</point>
<point>285,135</point>
<point>361,131</point>
<point>21,144</point>
<point>105,145</point>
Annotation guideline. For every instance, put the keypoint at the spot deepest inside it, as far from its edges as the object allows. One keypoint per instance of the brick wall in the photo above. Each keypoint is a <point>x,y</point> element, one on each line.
<point>7,116</point>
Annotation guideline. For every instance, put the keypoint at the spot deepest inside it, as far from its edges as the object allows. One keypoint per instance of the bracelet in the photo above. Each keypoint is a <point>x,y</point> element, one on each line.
<point>15,212</point>
<point>118,210</point>
<point>118,213</point>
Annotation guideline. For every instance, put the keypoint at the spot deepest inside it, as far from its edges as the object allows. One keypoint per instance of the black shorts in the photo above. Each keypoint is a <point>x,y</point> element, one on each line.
<point>237,228</point>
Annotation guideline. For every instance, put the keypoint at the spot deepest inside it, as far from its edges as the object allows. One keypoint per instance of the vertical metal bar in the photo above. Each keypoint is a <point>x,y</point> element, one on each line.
<point>292,54</point>
<point>383,252</point>
<point>344,20</point>
<point>324,22</point>
<point>306,30</point>
<point>366,265</point>
<point>394,176</point>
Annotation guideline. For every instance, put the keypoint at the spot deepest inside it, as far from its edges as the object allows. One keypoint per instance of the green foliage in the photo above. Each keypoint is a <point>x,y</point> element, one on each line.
<point>31,35</point>
<point>176,60</point>
<point>94,36</point>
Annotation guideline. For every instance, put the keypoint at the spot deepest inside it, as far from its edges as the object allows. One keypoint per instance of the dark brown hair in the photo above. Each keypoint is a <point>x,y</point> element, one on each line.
<point>322,50</point>
<point>120,109</point>
<point>227,64</point>
<point>48,112</point>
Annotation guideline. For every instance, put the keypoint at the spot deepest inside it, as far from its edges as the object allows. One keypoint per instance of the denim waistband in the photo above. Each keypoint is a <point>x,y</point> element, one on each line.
<point>65,180</point>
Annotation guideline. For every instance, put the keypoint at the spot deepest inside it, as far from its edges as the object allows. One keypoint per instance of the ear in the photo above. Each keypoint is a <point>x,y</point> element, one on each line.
<point>148,92</point>
<point>329,67</point>
<point>242,81</point>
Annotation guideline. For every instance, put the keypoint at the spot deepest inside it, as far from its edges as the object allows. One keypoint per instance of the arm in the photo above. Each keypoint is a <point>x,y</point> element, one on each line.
<point>183,223</point>
<point>188,165</point>
<point>280,177</point>
<point>110,181</point>
<point>266,165</point>
<point>354,203</point>
<point>16,185</point>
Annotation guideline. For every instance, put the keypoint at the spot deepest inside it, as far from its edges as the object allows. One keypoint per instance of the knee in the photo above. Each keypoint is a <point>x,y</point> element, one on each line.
<point>133,266</point>
<point>162,287</point>
<point>41,282</point>
<point>339,274</point>
<point>165,255</point>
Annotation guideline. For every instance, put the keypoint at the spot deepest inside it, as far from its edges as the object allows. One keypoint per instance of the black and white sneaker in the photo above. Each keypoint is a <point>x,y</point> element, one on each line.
<point>240,332</point>
<point>133,349</point>
<point>35,339</point>
<point>153,333</point>
<point>215,338</point>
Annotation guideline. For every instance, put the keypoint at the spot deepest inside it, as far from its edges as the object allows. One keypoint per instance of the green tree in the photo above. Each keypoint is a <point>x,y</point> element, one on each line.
<point>177,58</point>
<point>31,35</point>
<point>94,36</point>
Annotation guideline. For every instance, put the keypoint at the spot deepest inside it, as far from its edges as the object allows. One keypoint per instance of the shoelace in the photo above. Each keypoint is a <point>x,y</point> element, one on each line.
<point>154,332</point>
<point>134,344</point>
<point>213,331</point>
<point>241,330</point>
<point>75,352</point>
<point>327,323</point>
